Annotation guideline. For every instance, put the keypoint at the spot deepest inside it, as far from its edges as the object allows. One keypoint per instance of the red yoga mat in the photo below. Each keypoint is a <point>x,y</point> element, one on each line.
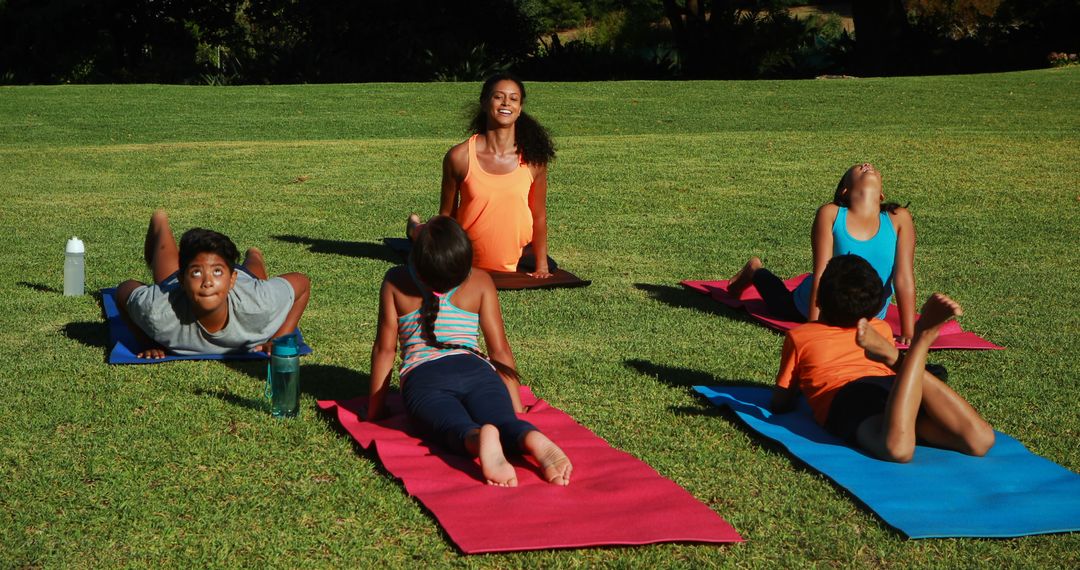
<point>613,498</point>
<point>951,337</point>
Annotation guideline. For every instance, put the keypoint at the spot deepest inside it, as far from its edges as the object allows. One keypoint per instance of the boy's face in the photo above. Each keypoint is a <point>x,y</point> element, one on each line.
<point>207,281</point>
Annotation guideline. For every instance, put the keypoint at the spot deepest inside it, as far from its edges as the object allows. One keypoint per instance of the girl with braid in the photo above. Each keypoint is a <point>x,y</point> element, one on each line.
<point>495,183</point>
<point>468,400</point>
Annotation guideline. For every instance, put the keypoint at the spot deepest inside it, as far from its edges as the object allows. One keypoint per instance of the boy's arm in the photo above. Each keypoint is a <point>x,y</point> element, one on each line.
<point>301,293</point>
<point>150,347</point>
<point>383,352</point>
<point>786,391</point>
<point>491,323</point>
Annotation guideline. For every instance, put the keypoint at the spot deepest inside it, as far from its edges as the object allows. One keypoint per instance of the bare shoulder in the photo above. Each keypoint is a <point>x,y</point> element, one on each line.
<point>828,209</point>
<point>397,278</point>
<point>480,280</point>
<point>901,218</point>
<point>458,156</point>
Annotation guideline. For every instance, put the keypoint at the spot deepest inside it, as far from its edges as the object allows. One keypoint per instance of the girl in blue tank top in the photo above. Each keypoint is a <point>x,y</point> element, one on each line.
<point>435,309</point>
<point>858,221</point>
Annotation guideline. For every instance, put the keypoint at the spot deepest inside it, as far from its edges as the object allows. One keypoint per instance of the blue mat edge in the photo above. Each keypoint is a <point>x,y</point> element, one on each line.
<point>708,393</point>
<point>121,338</point>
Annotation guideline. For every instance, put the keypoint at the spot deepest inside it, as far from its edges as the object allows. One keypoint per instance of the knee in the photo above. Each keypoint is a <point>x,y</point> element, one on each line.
<point>253,252</point>
<point>980,442</point>
<point>899,452</point>
<point>159,217</point>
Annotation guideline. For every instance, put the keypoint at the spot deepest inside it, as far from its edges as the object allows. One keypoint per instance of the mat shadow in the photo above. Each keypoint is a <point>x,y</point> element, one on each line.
<point>360,249</point>
<point>94,334</point>
<point>683,298</point>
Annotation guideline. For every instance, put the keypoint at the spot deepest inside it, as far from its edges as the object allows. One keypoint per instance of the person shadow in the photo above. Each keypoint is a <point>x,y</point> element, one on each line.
<point>321,381</point>
<point>359,249</point>
<point>683,298</point>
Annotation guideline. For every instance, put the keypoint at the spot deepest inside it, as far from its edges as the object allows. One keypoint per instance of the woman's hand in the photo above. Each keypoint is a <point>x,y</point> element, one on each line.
<point>540,273</point>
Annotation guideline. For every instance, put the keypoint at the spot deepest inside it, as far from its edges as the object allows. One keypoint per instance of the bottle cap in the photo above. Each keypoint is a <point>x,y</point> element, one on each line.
<point>75,245</point>
<point>286,345</point>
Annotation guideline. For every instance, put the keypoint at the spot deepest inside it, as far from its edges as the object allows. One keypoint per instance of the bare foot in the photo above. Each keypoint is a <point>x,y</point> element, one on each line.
<point>497,470</point>
<point>877,347</point>
<point>553,462</point>
<point>936,311</point>
<point>744,277</point>
<point>411,225</point>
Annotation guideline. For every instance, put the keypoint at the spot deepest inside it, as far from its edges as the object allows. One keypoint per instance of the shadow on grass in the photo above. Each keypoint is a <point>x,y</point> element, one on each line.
<point>683,298</point>
<point>94,334</point>
<point>361,249</point>
<point>40,287</point>
<point>322,381</point>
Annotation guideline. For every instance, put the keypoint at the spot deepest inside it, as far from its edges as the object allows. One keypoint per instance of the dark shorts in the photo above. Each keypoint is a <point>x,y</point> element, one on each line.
<point>855,402</point>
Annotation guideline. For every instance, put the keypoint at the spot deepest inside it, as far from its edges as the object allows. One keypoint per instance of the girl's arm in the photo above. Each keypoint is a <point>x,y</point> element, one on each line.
<point>452,175</point>
<point>786,389</point>
<point>904,273</point>
<point>383,352</point>
<point>491,323</point>
<point>538,206</point>
<point>821,241</point>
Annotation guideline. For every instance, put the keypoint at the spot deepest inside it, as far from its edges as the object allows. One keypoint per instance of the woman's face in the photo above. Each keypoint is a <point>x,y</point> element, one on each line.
<point>504,103</point>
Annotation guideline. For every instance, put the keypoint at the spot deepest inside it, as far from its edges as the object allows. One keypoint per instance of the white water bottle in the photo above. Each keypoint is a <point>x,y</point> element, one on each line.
<point>74,268</point>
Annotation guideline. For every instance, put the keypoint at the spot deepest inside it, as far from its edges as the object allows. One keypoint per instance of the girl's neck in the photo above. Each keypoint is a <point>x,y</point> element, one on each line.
<point>865,208</point>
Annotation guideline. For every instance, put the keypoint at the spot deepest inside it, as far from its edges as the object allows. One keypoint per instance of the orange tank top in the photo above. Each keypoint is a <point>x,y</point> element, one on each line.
<point>494,211</point>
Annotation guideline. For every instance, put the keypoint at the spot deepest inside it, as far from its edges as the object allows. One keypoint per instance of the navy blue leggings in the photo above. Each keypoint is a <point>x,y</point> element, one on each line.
<point>456,394</point>
<point>778,299</point>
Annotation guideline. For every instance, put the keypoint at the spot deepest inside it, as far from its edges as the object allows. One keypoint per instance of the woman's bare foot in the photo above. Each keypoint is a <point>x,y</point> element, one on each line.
<point>553,462</point>
<point>744,277</point>
<point>877,347</point>
<point>497,470</point>
<point>411,225</point>
<point>936,311</point>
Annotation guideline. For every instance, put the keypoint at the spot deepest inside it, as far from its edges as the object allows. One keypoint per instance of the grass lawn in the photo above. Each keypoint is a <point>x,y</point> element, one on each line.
<point>181,464</point>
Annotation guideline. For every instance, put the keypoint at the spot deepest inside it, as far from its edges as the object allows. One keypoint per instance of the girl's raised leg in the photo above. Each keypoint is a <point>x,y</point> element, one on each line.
<point>741,280</point>
<point>159,249</point>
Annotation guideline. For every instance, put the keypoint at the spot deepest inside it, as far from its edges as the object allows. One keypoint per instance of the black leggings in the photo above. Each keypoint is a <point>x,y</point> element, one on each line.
<point>456,394</point>
<point>778,299</point>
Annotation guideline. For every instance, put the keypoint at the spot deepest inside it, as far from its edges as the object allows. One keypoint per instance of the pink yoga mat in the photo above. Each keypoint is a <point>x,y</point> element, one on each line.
<point>951,337</point>
<point>613,498</point>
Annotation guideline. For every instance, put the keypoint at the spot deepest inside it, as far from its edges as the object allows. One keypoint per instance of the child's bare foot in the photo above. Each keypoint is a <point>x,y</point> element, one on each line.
<point>938,310</point>
<point>553,462</point>
<point>411,225</point>
<point>877,347</point>
<point>497,470</point>
<point>743,278</point>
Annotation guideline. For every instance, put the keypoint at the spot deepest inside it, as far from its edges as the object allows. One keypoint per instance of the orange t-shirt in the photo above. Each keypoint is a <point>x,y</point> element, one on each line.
<point>821,359</point>
<point>494,211</point>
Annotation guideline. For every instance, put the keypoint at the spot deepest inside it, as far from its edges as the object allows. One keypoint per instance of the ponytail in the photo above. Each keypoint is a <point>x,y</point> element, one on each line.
<point>429,312</point>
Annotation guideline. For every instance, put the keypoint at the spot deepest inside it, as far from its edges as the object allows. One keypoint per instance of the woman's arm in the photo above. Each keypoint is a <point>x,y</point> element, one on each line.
<point>538,206</point>
<point>452,176</point>
<point>491,323</point>
<point>821,241</point>
<point>383,352</point>
<point>904,273</point>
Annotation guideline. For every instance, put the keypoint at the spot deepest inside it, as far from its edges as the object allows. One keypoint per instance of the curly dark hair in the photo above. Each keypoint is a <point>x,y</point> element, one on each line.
<point>442,256</point>
<point>849,290</point>
<point>199,240</point>
<point>532,139</point>
<point>846,183</point>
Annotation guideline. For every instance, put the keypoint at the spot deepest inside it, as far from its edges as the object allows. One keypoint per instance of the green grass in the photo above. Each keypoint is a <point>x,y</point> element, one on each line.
<point>181,464</point>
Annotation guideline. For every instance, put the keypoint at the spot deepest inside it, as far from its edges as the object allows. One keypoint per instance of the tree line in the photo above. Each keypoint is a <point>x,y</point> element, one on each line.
<point>318,41</point>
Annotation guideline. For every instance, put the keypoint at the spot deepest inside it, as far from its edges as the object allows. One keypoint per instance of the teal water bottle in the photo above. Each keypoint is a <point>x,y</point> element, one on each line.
<point>283,377</point>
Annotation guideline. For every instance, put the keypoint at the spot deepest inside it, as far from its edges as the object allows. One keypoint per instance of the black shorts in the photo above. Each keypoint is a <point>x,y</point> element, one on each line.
<point>855,402</point>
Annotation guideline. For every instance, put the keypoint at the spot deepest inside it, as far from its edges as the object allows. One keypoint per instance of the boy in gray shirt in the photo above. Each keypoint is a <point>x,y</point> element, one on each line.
<point>201,302</point>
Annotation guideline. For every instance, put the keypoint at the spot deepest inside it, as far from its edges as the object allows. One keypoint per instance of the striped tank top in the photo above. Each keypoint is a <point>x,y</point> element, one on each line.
<point>452,326</point>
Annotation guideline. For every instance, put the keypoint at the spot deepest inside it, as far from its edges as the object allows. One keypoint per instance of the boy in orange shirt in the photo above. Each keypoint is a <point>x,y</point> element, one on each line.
<point>857,384</point>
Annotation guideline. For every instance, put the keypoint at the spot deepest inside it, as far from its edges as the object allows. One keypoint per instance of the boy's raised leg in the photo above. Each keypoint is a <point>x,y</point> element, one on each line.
<point>159,249</point>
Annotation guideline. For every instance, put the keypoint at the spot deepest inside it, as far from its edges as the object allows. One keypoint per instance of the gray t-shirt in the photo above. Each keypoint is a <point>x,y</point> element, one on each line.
<point>257,309</point>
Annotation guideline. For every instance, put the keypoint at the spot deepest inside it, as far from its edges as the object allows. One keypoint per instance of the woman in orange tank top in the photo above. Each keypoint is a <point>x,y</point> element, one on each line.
<point>495,183</point>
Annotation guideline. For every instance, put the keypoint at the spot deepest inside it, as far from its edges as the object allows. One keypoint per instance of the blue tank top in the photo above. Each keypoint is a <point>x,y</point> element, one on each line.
<point>879,251</point>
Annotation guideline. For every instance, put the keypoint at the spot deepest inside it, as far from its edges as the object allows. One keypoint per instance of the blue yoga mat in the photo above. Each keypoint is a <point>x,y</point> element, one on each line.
<point>123,346</point>
<point>1009,492</point>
